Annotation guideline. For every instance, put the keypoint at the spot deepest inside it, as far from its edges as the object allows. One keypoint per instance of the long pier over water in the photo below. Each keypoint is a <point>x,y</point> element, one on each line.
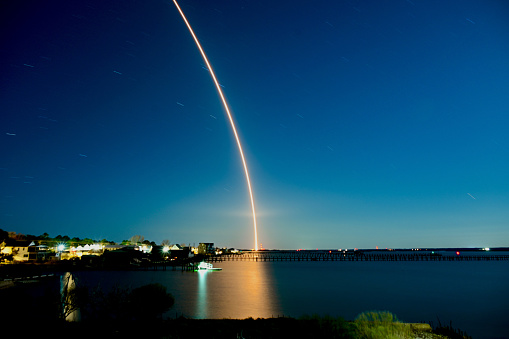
<point>27,273</point>
<point>357,256</point>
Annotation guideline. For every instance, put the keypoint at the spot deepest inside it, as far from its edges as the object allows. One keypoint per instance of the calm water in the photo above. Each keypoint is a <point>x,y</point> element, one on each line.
<point>473,295</point>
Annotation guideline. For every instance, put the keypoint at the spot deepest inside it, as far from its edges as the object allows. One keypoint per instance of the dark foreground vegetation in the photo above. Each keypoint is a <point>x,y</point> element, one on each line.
<point>306,327</point>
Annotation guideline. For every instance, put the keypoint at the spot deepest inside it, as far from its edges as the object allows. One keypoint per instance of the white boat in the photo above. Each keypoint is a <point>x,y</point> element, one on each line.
<point>203,266</point>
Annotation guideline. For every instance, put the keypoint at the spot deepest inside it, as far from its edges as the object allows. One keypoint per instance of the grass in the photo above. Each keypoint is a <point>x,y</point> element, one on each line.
<point>381,325</point>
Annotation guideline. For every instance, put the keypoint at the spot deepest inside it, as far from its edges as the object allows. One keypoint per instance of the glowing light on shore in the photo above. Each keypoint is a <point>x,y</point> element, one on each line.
<point>227,109</point>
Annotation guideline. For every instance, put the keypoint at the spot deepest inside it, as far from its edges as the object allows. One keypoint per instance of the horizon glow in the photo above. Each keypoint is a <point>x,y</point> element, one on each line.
<point>232,124</point>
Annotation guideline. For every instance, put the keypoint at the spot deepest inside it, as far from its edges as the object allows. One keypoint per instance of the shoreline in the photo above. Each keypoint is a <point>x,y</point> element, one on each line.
<point>266,328</point>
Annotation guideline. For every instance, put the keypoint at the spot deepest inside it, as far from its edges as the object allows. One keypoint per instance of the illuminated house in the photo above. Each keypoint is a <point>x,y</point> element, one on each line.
<point>206,248</point>
<point>175,247</point>
<point>25,250</point>
<point>113,247</point>
<point>79,251</point>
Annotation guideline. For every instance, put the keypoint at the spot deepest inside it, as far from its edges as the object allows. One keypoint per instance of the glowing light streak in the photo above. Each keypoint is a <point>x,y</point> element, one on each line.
<point>227,109</point>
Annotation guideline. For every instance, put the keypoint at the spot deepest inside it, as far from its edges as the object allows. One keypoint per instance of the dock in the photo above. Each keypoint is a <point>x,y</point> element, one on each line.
<point>351,256</point>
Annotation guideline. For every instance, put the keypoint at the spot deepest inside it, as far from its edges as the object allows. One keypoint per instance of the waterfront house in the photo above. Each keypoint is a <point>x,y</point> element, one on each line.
<point>24,250</point>
<point>179,252</point>
<point>175,247</point>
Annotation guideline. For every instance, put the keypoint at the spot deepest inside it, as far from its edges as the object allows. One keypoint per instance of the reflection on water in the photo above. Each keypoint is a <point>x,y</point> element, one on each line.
<point>201,302</point>
<point>69,298</point>
<point>240,290</point>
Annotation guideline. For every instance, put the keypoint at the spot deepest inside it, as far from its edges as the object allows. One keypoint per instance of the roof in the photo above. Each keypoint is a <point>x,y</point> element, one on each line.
<point>18,243</point>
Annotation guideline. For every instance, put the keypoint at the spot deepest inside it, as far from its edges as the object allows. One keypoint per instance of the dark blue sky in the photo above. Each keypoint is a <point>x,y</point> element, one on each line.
<point>365,123</point>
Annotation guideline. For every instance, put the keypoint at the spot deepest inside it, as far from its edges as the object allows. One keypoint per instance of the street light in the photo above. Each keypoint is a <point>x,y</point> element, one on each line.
<point>60,249</point>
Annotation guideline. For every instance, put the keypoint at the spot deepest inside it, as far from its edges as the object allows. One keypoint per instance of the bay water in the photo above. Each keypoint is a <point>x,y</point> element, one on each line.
<point>472,295</point>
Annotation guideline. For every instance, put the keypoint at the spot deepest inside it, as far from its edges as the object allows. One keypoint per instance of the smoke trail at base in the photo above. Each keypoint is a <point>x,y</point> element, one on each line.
<point>227,109</point>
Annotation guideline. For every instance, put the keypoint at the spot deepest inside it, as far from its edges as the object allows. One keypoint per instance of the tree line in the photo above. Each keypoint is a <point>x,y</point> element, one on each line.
<point>45,238</point>
<point>51,241</point>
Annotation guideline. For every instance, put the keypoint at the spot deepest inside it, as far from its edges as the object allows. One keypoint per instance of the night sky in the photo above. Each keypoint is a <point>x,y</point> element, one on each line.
<point>364,123</point>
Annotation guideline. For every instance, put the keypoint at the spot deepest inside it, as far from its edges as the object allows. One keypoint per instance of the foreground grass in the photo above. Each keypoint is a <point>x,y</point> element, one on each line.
<point>308,327</point>
<point>376,324</point>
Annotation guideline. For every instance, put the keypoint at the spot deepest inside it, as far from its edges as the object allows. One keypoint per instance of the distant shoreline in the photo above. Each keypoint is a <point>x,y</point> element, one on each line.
<point>25,270</point>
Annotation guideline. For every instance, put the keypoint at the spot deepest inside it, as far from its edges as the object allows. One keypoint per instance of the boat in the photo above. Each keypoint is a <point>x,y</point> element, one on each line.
<point>203,266</point>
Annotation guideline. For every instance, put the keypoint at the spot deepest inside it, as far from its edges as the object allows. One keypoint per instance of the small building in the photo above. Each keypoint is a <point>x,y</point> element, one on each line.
<point>206,248</point>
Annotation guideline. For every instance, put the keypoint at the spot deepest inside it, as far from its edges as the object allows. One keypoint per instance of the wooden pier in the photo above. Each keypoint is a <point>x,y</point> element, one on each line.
<point>353,256</point>
<point>350,256</point>
<point>188,264</point>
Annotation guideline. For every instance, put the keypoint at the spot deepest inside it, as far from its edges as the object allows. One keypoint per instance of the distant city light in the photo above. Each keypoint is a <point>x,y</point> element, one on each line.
<point>61,247</point>
<point>144,248</point>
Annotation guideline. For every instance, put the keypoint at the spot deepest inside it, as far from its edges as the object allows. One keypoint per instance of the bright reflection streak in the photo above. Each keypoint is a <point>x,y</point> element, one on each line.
<point>218,87</point>
<point>201,302</point>
<point>241,290</point>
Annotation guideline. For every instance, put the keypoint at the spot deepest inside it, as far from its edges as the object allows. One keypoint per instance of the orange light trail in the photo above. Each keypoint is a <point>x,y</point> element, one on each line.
<point>227,109</point>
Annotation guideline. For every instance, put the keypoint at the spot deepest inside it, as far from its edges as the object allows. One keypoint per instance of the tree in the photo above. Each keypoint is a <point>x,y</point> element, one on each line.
<point>31,237</point>
<point>135,239</point>
<point>165,242</point>
<point>17,236</point>
<point>3,235</point>
<point>20,236</point>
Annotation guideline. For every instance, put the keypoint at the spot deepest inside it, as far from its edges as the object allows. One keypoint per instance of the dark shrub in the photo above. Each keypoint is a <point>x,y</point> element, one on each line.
<point>150,301</point>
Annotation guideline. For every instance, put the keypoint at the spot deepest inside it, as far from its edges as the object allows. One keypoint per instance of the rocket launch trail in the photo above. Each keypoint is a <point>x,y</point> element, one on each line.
<point>232,123</point>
